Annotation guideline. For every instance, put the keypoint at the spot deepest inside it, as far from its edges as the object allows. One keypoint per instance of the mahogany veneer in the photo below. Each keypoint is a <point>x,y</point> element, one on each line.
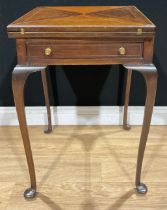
<point>83,35</point>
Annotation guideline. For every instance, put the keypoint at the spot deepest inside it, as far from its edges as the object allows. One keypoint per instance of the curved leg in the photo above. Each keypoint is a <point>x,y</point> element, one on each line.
<point>45,88</point>
<point>126,126</point>
<point>19,77</point>
<point>150,75</point>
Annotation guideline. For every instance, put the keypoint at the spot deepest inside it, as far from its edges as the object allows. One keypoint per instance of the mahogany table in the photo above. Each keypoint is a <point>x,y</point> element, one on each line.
<point>83,35</point>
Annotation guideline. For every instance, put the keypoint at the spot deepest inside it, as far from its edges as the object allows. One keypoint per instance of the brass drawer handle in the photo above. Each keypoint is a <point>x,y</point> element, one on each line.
<point>48,51</point>
<point>122,51</point>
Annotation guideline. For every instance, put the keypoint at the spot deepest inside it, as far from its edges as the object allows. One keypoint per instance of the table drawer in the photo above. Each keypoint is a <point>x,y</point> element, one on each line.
<point>83,49</point>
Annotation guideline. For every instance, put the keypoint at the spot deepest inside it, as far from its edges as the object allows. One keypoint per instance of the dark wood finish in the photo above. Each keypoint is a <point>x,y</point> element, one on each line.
<point>83,49</point>
<point>126,126</point>
<point>81,36</point>
<point>21,51</point>
<point>86,50</point>
<point>69,31</point>
<point>45,88</point>
<point>119,19</point>
<point>150,75</point>
<point>148,50</point>
<point>19,77</point>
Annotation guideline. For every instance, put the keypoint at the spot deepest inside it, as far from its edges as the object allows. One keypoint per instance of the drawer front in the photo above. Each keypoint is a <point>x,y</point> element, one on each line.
<point>83,49</point>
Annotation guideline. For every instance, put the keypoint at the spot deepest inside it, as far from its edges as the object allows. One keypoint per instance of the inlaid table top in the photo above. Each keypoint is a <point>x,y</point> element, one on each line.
<point>82,18</point>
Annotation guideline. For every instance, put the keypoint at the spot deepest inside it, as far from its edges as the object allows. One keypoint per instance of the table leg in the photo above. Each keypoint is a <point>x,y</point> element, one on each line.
<point>150,75</point>
<point>45,88</point>
<point>19,77</point>
<point>126,126</point>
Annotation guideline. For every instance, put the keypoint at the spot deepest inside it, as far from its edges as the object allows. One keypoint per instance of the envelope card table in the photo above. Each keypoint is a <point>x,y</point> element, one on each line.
<point>83,35</point>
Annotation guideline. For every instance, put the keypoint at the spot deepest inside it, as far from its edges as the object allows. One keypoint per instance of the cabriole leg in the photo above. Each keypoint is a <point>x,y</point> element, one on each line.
<point>150,75</point>
<point>19,77</point>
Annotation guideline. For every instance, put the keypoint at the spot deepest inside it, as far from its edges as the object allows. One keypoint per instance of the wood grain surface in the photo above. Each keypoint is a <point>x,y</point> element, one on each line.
<point>83,168</point>
<point>83,18</point>
<point>83,35</point>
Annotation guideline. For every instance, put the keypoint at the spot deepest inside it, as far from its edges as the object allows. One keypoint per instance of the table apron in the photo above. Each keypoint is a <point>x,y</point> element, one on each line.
<point>84,51</point>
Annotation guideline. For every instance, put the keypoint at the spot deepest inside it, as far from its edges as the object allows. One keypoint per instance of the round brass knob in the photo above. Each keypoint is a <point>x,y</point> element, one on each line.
<point>48,51</point>
<point>122,51</point>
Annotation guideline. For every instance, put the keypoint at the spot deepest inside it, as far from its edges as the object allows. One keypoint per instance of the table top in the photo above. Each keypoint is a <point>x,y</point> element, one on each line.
<point>83,18</point>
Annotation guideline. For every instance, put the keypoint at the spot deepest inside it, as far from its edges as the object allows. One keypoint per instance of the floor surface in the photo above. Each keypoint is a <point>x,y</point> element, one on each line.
<point>83,168</point>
